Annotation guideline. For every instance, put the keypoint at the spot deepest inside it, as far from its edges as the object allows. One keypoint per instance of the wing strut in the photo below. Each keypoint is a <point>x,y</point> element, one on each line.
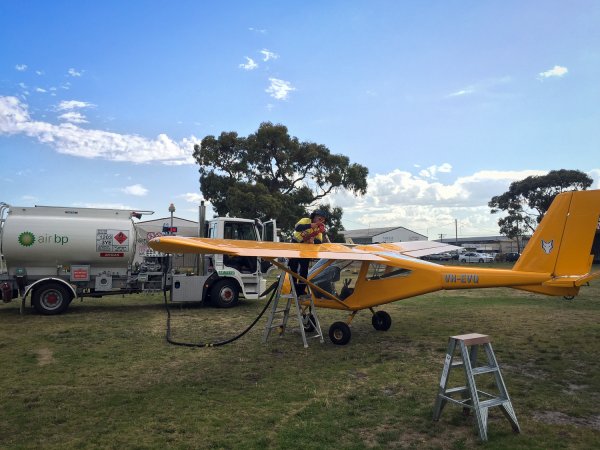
<point>308,282</point>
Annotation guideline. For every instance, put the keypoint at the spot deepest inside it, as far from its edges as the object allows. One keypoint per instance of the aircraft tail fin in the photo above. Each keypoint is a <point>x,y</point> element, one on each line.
<point>562,242</point>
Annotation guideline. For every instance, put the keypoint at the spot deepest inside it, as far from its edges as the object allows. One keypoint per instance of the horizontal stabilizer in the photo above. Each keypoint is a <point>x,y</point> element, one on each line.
<point>573,280</point>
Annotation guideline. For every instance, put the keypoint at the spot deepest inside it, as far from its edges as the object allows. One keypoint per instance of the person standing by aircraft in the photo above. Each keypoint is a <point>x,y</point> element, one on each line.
<point>308,230</point>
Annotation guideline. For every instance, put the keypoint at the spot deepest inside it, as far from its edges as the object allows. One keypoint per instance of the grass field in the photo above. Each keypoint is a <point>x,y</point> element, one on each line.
<point>102,376</point>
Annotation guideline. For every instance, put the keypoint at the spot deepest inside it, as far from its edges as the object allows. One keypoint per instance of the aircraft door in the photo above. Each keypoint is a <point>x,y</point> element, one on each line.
<point>269,231</point>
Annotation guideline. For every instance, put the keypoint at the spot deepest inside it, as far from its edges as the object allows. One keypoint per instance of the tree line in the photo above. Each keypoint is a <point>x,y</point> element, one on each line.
<point>270,174</point>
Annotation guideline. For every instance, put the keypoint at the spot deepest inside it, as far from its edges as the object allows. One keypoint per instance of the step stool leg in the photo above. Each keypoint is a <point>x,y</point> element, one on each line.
<point>440,401</point>
<point>506,407</point>
<point>473,354</point>
<point>480,415</point>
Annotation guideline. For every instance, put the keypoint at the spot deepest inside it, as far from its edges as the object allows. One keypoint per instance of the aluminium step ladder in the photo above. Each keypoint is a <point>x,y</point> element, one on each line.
<point>308,321</point>
<point>473,398</point>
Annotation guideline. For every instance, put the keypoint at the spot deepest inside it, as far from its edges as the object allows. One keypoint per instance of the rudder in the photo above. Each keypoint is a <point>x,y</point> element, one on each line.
<point>562,242</point>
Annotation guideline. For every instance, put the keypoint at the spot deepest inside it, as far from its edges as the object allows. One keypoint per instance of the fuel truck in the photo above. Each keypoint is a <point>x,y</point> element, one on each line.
<point>52,255</point>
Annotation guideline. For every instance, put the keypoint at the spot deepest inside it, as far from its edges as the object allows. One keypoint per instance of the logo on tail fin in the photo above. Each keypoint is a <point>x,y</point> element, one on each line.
<point>547,246</point>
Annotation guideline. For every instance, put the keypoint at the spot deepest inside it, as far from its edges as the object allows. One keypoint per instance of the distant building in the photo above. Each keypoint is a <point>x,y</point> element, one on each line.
<point>379,235</point>
<point>487,244</point>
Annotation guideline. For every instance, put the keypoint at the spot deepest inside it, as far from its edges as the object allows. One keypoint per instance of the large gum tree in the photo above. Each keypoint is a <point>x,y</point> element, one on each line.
<point>527,200</point>
<point>270,174</point>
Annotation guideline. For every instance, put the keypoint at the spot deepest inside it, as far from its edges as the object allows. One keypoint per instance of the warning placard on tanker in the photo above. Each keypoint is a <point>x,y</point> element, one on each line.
<point>112,241</point>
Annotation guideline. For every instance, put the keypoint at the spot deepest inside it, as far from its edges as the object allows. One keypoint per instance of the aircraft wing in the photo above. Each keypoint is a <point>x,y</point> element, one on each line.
<point>415,249</point>
<point>180,244</point>
<point>372,252</point>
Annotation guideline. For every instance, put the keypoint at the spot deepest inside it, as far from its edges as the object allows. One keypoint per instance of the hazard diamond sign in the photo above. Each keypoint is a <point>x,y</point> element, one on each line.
<point>120,237</point>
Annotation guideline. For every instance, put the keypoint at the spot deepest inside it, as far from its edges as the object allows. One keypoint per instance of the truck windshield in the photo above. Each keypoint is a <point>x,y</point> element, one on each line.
<point>243,231</point>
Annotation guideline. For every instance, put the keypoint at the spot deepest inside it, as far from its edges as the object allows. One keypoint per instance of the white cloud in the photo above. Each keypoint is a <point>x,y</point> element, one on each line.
<point>595,174</point>
<point>431,171</point>
<point>67,105</point>
<point>258,30</point>
<point>279,89</point>
<point>250,64</point>
<point>39,72</point>
<point>21,67</point>
<point>75,73</point>
<point>462,92</point>
<point>400,198</point>
<point>73,117</point>
<point>486,86</point>
<point>192,197</point>
<point>267,55</point>
<point>69,139</point>
<point>135,189</point>
<point>556,71</point>
<point>40,90</point>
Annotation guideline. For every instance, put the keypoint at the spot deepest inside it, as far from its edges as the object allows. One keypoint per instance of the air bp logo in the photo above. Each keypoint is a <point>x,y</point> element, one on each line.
<point>547,246</point>
<point>26,239</point>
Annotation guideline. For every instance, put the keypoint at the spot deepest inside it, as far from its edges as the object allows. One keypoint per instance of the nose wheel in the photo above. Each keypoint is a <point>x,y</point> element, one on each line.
<point>339,333</point>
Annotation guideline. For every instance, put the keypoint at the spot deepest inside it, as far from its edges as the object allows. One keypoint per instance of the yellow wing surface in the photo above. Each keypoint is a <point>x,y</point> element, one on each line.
<point>374,252</point>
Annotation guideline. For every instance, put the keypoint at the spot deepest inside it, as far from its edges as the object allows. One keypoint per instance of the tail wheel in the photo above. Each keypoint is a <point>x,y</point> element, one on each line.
<point>339,333</point>
<point>381,321</point>
<point>224,294</point>
<point>51,298</point>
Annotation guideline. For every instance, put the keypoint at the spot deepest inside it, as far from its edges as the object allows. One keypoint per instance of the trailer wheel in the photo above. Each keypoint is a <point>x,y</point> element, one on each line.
<point>339,333</point>
<point>224,294</point>
<point>51,298</point>
<point>381,321</point>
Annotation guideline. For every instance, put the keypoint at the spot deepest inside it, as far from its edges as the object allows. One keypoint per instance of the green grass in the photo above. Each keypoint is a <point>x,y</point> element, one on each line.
<point>102,376</point>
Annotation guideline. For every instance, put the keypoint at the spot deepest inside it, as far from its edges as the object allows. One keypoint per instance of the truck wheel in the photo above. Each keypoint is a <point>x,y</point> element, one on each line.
<point>339,333</point>
<point>224,294</point>
<point>51,298</point>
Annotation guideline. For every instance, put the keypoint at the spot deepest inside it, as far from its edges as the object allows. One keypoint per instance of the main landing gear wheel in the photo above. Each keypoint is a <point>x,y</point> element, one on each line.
<point>381,321</point>
<point>224,294</point>
<point>339,333</point>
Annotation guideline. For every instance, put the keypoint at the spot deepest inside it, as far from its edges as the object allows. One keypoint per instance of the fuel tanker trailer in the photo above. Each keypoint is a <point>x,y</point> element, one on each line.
<point>54,254</point>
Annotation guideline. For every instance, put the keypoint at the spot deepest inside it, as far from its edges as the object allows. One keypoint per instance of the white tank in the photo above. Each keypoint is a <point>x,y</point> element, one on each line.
<point>44,239</point>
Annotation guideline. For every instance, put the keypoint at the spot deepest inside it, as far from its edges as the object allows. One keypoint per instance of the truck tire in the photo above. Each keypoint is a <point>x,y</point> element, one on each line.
<point>224,294</point>
<point>51,298</point>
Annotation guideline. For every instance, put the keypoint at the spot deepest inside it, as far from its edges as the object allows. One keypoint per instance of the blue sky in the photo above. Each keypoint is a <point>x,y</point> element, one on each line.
<point>446,102</point>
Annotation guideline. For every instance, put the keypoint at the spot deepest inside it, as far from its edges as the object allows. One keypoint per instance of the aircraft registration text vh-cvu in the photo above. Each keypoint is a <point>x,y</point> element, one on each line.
<point>556,261</point>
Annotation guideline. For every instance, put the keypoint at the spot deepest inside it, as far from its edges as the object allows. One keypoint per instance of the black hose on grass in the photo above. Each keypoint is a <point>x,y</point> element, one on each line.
<point>170,340</point>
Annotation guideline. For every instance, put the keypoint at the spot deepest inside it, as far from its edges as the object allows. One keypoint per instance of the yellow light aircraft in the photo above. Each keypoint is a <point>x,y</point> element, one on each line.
<point>556,261</point>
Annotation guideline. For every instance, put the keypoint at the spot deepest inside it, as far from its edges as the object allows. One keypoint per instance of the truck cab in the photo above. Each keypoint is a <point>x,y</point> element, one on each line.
<point>225,278</point>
